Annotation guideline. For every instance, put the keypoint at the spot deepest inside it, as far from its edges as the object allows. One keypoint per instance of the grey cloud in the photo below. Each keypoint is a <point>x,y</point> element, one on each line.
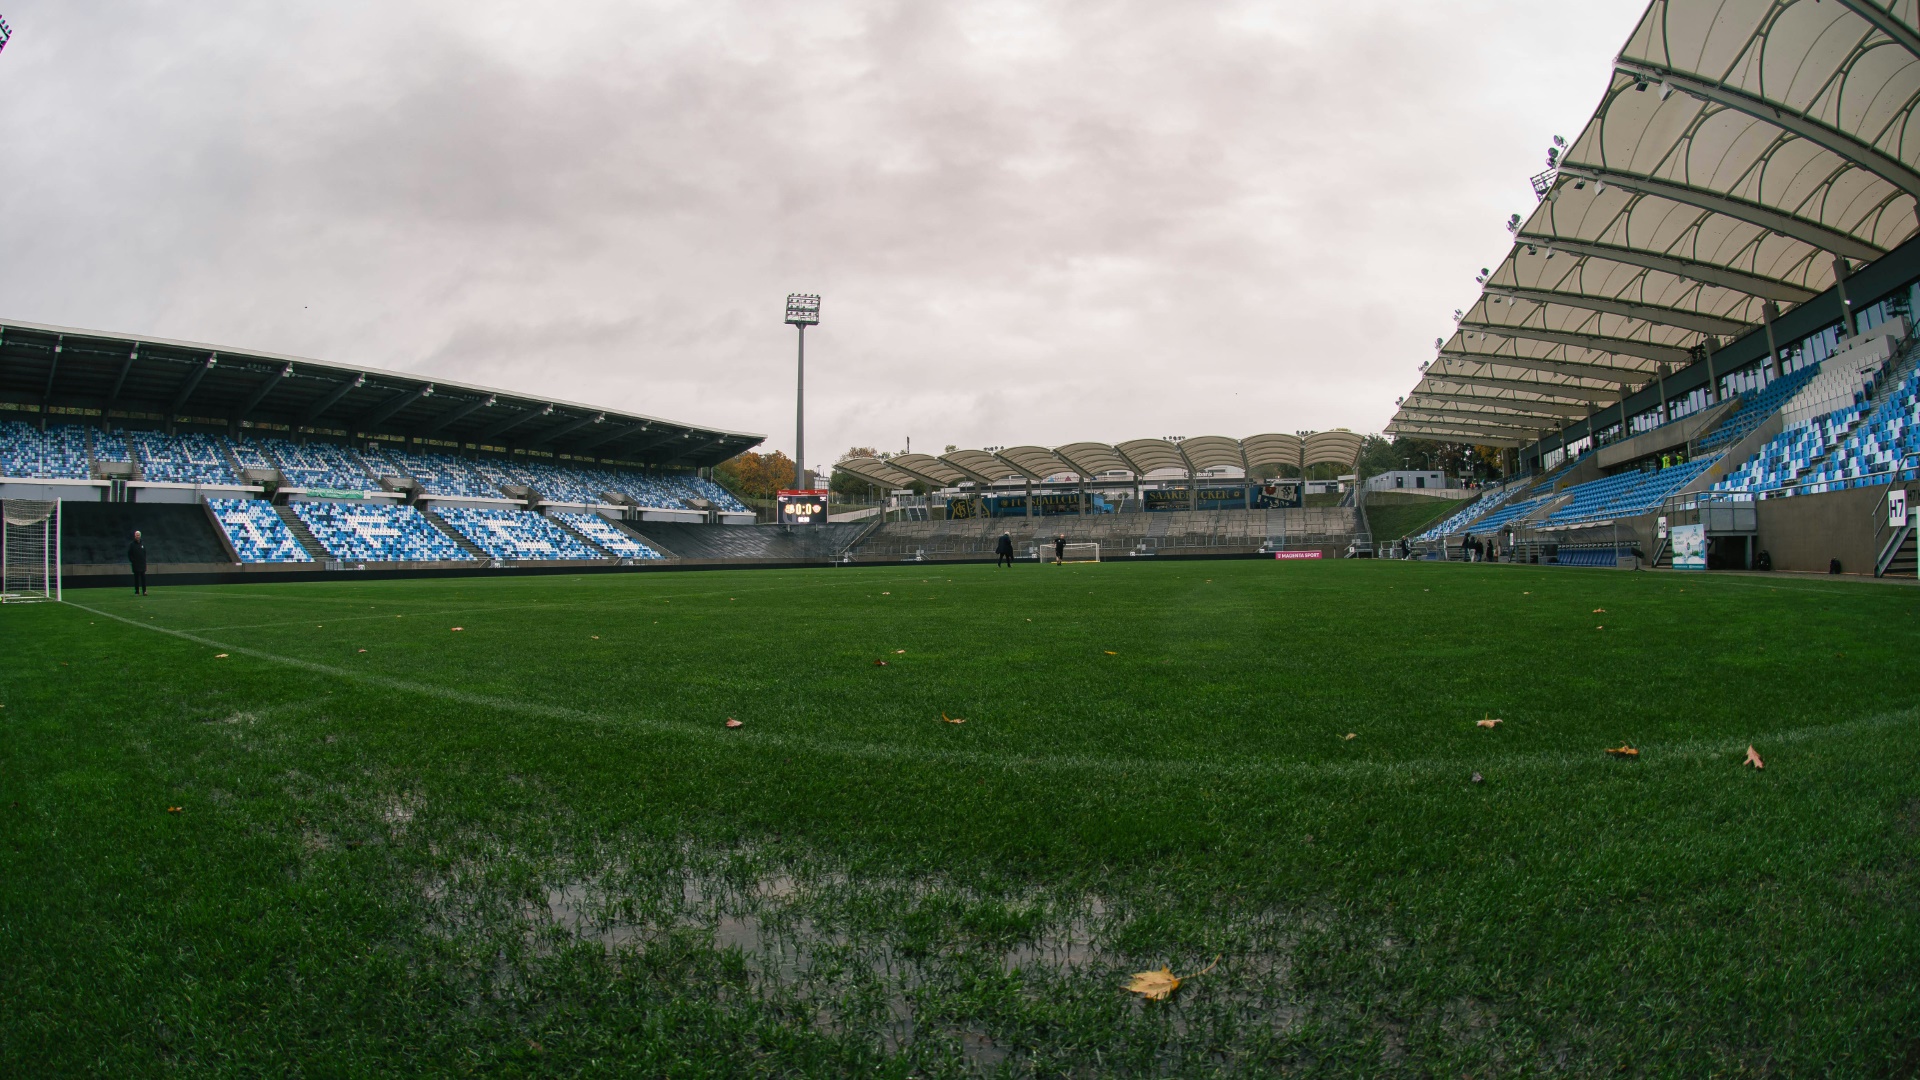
<point>1032,222</point>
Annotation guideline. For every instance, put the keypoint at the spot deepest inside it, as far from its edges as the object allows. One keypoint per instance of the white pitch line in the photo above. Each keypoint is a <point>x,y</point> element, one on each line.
<point>1564,759</point>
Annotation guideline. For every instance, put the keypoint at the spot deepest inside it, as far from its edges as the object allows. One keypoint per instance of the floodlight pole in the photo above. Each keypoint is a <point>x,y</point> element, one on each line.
<point>803,310</point>
<point>800,413</point>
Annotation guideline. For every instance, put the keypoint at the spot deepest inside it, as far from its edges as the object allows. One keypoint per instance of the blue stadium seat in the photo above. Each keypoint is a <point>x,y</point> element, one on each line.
<point>184,459</point>
<point>377,532</point>
<point>515,534</point>
<point>600,531</point>
<point>257,533</point>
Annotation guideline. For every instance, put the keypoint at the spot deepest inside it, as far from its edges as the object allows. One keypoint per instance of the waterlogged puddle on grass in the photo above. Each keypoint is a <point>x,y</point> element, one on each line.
<point>789,934</point>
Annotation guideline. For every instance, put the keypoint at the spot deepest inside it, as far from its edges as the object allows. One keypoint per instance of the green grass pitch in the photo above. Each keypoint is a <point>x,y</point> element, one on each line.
<point>531,847</point>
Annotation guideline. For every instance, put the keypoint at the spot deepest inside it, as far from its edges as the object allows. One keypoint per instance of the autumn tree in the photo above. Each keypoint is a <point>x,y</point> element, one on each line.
<point>758,476</point>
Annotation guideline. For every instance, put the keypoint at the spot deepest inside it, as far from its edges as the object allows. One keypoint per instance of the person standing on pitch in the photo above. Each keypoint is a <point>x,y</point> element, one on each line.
<point>1059,548</point>
<point>137,559</point>
<point>1003,551</point>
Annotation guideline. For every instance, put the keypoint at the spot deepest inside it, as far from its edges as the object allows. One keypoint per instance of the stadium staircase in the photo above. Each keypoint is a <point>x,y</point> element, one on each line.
<point>1902,556</point>
<point>456,536</point>
<point>301,533</point>
<point>580,536</point>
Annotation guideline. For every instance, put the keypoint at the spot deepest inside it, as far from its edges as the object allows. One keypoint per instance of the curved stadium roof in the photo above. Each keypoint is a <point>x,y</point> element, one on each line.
<point>116,374</point>
<point>1136,457</point>
<point>1746,153</point>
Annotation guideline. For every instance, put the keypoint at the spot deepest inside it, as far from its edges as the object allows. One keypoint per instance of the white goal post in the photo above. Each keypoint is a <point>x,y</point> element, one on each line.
<point>1086,551</point>
<point>29,551</point>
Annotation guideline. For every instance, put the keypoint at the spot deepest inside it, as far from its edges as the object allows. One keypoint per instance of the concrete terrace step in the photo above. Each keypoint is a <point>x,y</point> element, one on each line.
<point>308,542</point>
<point>459,538</point>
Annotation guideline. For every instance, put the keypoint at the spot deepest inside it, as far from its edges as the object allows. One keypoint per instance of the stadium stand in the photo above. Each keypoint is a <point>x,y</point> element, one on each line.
<point>566,485</point>
<point>249,454</point>
<point>256,532</point>
<point>58,454</point>
<point>515,535</point>
<point>1510,512</point>
<point>110,446</point>
<point>441,474</point>
<point>1625,494</point>
<point>376,532</point>
<point>183,459</point>
<point>322,466</point>
<point>501,475</point>
<point>1783,458</point>
<point>605,534</point>
<point>1879,447</point>
<point>96,534</point>
<point>1755,407</point>
<point>1460,518</point>
<point>771,542</point>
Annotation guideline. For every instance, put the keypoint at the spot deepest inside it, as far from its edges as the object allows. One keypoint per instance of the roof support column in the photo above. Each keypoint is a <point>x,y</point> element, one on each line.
<point>1770,311</point>
<point>1029,481</point>
<point>1660,380</point>
<point>1713,379</point>
<point>1846,304</point>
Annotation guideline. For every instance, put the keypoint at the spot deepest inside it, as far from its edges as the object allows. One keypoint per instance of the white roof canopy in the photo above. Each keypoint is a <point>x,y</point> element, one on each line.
<point>1136,457</point>
<point>1746,152</point>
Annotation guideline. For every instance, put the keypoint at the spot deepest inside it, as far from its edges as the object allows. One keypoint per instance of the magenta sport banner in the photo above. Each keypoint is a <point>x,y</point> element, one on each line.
<point>1296,554</point>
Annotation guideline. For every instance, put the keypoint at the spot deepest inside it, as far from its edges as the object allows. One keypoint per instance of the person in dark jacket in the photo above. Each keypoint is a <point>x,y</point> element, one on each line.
<point>1003,551</point>
<point>137,559</point>
<point>1059,548</point>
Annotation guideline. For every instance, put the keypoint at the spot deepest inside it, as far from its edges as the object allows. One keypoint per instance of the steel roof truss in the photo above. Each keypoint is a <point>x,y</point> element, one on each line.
<point>1888,168</point>
<point>1725,277</point>
<point>1811,233</point>
<point>1653,313</point>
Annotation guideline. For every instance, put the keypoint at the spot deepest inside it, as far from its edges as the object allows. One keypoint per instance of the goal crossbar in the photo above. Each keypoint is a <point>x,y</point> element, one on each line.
<point>1084,551</point>
<point>29,551</point>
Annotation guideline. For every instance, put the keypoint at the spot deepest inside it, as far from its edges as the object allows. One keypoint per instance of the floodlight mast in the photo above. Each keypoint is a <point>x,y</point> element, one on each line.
<point>803,310</point>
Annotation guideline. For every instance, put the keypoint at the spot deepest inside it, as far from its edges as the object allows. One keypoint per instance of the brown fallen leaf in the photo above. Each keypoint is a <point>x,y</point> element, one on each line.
<point>1753,758</point>
<point>596,637</point>
<point>879,663</point>
<point>899,652</point>
<point>1599,611</point>
<point>1623,751</point>
<point>731,722</point>
<point>1351,735</point>
<point>457,629</point>
<point>1490,722</point>
<point>1160,985</point>
<point>1599,628</point>
<point>953,719</point>
<point>173,809</point>
<point>219,656</point>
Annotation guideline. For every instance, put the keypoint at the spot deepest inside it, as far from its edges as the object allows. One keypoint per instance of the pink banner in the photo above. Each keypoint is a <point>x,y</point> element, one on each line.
<point>1296,554</point>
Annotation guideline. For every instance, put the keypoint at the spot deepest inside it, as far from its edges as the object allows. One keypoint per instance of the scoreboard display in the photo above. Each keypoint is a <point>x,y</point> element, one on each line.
<point>803,507</point>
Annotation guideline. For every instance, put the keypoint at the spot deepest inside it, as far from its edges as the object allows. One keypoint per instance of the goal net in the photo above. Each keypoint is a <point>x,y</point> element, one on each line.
<point>1081,552</point>
<point>29,551</point>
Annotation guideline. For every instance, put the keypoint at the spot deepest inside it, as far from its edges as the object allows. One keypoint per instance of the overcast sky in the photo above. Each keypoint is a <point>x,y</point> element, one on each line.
<point>1031,222</point>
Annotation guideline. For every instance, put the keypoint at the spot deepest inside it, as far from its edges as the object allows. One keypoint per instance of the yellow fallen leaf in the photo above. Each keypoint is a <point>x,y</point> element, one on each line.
<point>596,637</point>
<point>1351,735</point>
<point>953,719</point>
<point>1753,758</point>
<point>1160,985</point>
<point>1490,721</point>
<point>1623,751</point>
<point>457,629</point>
<point>1599,628</point>
<point>219,656</point>
<point>898,652</point>
<point>173,809</point>
<point>363,650</point>
<point>1110,652</point>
